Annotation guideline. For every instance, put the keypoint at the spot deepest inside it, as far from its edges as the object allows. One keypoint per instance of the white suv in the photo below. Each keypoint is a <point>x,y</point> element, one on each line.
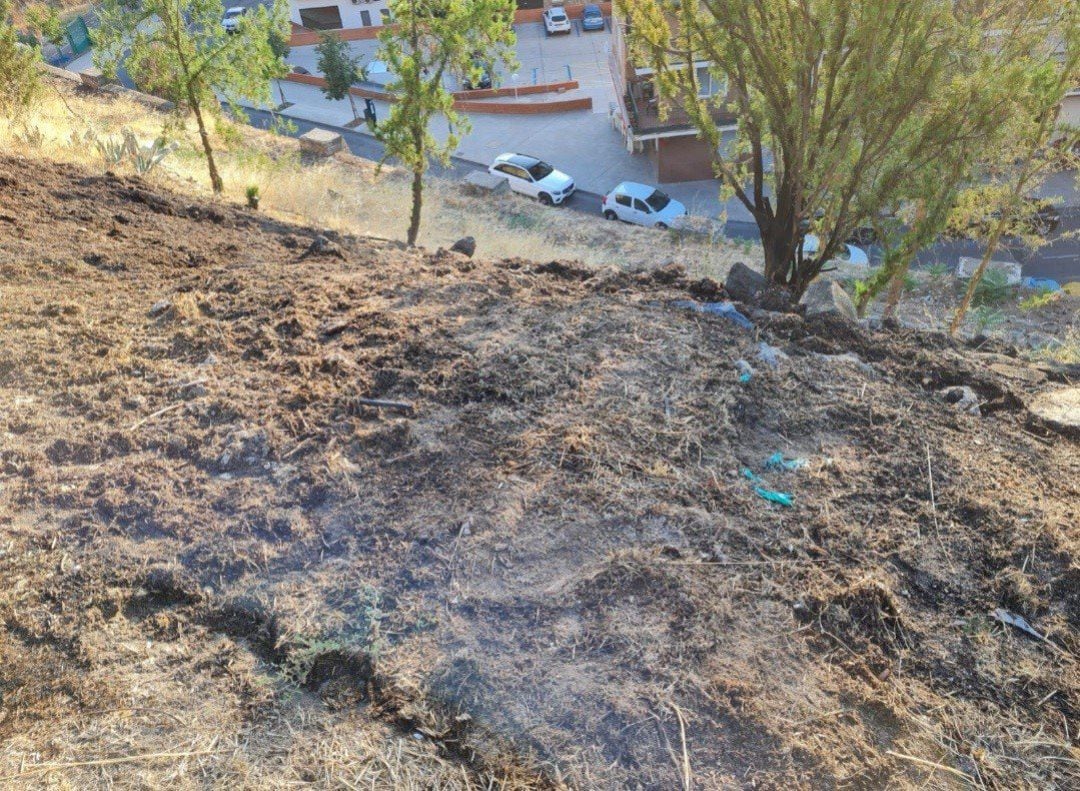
<point>556,21</point>
<point>533,177</point>
<point>642,205</point>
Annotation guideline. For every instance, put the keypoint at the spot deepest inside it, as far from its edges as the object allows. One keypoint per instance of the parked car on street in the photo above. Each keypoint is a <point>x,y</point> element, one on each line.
<point>231,20</point>
<point>533,177</point>
<point>849,254</point>
<point>556,21</point>
<point>592,18</point>
<point>641,204</point>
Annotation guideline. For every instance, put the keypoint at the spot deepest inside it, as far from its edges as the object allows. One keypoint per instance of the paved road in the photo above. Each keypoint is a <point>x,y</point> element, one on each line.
<point>366,146</point>
<point>1059,260</point>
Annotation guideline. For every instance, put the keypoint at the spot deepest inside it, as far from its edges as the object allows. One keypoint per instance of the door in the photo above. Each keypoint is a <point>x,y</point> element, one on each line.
<point>521,181</point>
<point>624,208</point>
<point>517,178</point>
<point>642,214</point>
<point>365,18</point>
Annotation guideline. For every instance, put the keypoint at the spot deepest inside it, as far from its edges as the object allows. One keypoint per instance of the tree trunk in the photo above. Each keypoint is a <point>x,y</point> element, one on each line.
<point>281,92</point>
<point>896,285</point>
<point>215,178</point>
<point>896,289</point>
<point>352,104</point>
<point>991,247</point>
<point>417,204</point>
<point>777,253</point>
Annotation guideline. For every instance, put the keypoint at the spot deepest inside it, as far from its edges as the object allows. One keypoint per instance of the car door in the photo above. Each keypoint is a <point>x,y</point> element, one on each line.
<point>642,213</point>
<point>523,181</point>
<point>624,207</point>
<point>518,178</point>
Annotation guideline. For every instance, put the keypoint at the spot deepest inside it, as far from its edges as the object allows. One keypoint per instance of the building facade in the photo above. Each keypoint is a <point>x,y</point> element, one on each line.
<point>351,14</point>
<point>671,142</point>
<point>342,14</point>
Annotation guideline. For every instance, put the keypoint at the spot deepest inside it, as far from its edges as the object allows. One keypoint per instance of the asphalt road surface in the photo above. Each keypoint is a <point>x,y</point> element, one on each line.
<point>1060,259</point>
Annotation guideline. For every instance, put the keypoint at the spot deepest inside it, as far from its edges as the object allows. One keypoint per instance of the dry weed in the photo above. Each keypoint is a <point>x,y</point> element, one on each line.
<point>348,196</point>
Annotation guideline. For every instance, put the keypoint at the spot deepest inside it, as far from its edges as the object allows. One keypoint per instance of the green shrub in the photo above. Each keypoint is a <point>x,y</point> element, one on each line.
<point>1040,299</point>
<point>986,318</point>
<point>992,289</point>
<point>19,82</point>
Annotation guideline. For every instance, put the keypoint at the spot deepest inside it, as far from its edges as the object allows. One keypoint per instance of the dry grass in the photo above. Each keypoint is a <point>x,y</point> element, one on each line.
<point>180,727</point>
<point>1067,352</point>
<point>348,195</point>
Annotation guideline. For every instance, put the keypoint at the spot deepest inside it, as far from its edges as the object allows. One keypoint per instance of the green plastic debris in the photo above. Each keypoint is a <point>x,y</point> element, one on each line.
<point>778,462</point>
<point>780,498</point>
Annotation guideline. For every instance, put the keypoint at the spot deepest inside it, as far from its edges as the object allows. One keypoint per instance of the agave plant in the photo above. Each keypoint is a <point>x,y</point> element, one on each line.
<point>115,150</point>
<point>146,158</point>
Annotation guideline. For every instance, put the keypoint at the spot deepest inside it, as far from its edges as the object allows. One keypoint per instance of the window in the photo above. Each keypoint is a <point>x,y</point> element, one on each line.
<point>658,200</point>
<point>513,170</point>
<point>707,84</point>
<point>623,200</point>
<point>365,18</point>
<point>641,207</point>
<point>321,18</point>
<point>387,17</point>
<point>541,170</point>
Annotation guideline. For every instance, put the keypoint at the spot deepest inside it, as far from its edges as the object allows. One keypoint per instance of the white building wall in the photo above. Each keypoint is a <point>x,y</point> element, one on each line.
<point>350,10</point>
<point>1070,109</point>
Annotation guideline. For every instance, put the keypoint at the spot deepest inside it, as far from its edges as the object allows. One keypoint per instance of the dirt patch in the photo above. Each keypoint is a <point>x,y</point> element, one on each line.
<point>503,519</point>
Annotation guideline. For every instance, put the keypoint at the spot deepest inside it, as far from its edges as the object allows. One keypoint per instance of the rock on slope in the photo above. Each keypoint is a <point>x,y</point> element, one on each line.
<point>538,562</point>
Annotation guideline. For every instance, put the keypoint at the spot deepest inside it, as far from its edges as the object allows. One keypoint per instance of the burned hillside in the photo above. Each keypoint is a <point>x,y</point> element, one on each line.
<point>280,510</point>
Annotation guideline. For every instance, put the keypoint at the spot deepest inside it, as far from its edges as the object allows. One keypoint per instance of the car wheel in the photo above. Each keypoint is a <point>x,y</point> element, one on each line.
<point>546,199</point>
<point>661,225</point>
<point>610,215</point>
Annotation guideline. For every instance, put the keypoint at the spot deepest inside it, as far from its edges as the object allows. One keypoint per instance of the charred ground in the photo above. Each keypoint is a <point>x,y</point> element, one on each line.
<point>548,568</point>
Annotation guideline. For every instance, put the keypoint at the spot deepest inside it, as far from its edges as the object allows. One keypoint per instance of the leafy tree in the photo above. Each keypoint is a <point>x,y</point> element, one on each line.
<point>180,48</point>
<point>1036,141</point>
<point>430,40</point>
<point>339,67</point>
<point>280,34</point>
<point>843,107</point>
<point>19,82</point>
<point>45,20</point>
<point>988,94</point>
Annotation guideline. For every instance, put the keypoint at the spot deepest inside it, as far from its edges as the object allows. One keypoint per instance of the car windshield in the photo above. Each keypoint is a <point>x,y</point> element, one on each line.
<point>658,200</point>
<point>557,16</point>
<point>592,11</point>
<point>541,170</point>
<point>234,12</point>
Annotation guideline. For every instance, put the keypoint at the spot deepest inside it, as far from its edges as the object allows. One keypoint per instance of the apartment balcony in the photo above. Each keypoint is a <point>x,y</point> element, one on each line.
<point>643,111</point>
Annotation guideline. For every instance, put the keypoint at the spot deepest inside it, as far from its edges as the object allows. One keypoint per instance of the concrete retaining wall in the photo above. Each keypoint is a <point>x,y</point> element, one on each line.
<point>468,105</point>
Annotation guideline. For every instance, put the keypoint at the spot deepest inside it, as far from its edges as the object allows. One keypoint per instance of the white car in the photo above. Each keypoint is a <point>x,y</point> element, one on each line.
<point>849,255</point>
<point>533,177</point>
<point>556,21</point>
<point>231,20</point>
<point>641,204</point>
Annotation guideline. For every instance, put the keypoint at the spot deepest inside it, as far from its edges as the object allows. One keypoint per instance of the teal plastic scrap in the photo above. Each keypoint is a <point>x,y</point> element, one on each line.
<point>780,498</point>
<point>745,371</point>
<point>779,462</point>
